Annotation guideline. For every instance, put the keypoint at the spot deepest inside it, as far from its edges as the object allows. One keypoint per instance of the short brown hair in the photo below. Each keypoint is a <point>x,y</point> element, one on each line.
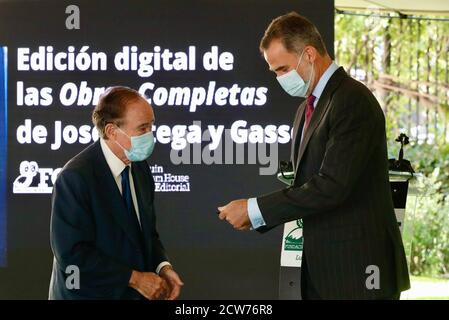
<point>112,106</point>
<point>295,32</point>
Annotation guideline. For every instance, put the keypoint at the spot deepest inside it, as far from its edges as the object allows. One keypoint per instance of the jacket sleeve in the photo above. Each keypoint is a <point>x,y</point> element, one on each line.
<point>72,236</point>
<point>159,254</point>
<point>354,126</point>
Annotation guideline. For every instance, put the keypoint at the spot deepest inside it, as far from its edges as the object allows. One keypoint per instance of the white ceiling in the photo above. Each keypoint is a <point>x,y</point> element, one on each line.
<point>428,7</point>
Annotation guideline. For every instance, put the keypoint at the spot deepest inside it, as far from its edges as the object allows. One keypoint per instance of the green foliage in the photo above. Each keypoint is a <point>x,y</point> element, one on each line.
<point>430,238</point>
<point>409,52</point>
<point>433,162</point>
<point>430,242</point>
<point>430,250</point>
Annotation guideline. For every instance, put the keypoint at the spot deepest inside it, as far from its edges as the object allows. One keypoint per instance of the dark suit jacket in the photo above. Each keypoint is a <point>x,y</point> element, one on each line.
<point>90,229</point>
<point>342,192</point>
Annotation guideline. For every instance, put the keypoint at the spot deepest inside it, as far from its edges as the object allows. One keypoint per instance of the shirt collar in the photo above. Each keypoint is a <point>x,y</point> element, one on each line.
<point>115,164</point>
<point>324,80</point>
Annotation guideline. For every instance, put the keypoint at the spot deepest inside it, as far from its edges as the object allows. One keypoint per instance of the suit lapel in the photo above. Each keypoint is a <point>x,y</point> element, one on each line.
<point>320,111</point>
<point>297,125</point>
<point>111,196</point>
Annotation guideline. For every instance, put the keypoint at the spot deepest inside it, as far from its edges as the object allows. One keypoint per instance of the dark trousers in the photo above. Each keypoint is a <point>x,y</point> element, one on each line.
<point>309,292</point>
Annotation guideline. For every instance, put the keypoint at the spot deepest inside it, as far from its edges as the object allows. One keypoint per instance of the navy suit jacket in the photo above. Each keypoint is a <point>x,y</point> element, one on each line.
<point>90,229</point>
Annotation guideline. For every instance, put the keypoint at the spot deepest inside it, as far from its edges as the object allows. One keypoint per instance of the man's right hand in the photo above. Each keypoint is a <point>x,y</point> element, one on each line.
<point>149,284</point>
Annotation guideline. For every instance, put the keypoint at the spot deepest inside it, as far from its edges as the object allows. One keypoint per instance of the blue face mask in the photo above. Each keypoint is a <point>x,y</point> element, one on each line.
<point>292,82</point>
<point>141,146</point>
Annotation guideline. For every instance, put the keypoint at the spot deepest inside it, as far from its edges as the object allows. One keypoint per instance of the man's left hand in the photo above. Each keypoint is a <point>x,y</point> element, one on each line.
<point>173,280</point>
<point>236,213</point>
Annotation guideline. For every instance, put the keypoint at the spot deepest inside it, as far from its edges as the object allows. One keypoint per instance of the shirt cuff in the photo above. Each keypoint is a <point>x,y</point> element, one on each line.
<point>161,265</point>
<point>255,216</point>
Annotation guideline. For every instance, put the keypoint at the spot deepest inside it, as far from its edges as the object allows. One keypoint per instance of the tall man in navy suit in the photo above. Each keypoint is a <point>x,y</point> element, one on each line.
<point>341,189</point>
<point>103,221</point>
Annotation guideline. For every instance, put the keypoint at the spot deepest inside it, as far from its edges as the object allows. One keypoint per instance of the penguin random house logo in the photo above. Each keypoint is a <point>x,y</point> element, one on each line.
<point>168,182</point>
<point>294,240</point>
<point>33,179</point>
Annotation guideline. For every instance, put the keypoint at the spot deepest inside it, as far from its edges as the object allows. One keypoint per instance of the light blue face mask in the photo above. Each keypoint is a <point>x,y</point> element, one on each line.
<point>292,82</point>
<point>141,146</point>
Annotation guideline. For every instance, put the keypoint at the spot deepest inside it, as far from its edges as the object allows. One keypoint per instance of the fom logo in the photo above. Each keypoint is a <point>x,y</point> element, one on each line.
<point>33,179</point>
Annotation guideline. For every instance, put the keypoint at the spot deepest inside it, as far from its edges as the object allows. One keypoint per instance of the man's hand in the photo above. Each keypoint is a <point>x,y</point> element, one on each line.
<point>149,284</point>
<point>236,213</point>
<point>173,280</point>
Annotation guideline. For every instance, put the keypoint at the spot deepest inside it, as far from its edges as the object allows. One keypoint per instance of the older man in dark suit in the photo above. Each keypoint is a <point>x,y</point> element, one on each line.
<point>103,222</point>
<point>341,188</point>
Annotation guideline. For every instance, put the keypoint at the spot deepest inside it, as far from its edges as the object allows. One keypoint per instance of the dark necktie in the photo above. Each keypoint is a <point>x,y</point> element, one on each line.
<point>127,197</point>
<point>309,111</point>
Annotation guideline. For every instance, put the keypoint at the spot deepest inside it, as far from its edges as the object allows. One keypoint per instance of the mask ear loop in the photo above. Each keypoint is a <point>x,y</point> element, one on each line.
<point>125,135</point>
<point>312,72</point>
<point>122,131</point>
<point>300,58</point>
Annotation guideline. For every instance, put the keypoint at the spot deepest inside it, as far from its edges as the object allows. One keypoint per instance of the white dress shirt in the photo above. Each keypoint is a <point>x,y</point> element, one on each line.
<point>117,166</point>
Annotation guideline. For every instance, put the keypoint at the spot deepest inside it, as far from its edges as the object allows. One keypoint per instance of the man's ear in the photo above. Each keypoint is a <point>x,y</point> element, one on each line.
<point>110,131</point>
<point>311,53</point>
